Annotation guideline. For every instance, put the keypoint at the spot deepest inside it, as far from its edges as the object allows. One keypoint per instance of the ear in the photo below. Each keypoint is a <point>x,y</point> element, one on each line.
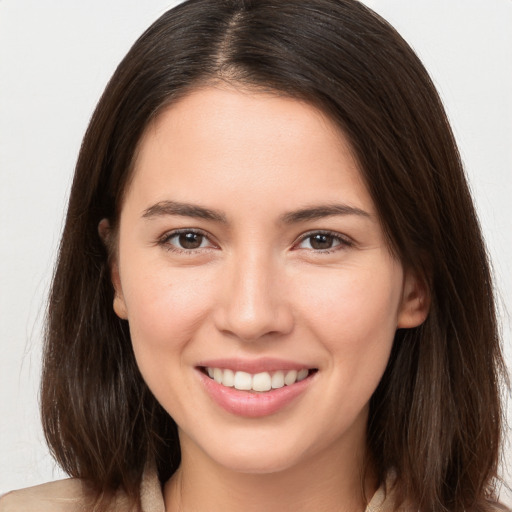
<point>106,235</point>
<point>415,301</point>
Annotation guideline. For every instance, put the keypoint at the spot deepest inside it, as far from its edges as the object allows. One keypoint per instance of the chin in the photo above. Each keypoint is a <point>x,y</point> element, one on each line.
<point>261,463</point>
<point>248,453</point>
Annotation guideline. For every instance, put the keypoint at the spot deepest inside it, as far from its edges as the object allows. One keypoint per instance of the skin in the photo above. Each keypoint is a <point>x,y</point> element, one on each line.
<point>257,287</point>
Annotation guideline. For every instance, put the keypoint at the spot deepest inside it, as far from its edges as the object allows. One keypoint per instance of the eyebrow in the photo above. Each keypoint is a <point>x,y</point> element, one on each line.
<point>322,211</point>
<point>164,208</point>
<point>184,210</point>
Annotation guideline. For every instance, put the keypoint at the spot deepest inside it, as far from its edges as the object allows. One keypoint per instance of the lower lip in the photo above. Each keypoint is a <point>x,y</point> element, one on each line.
<point>253,405</point>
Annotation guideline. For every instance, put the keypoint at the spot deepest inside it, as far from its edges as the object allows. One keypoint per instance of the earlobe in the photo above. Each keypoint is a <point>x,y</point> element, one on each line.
<point>415,301</point>
<point>119,306</point>
<point>119,303</point>
<point>105,233</point>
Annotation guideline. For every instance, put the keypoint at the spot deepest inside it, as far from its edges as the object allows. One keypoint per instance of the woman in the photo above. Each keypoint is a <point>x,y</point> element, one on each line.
<point>262,295</point>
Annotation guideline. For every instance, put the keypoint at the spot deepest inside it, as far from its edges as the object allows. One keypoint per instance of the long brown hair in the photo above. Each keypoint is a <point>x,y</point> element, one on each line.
<point>436,418</point>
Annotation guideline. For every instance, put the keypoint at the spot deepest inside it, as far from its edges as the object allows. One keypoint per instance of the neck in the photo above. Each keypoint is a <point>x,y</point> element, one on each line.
<point>322,482</point>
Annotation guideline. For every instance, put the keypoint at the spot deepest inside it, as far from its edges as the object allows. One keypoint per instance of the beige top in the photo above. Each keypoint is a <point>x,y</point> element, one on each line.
<point>68,496</point>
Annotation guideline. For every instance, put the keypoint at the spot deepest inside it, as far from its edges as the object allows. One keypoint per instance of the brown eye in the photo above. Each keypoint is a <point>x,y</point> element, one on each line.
<point>321,241</point>
<point>190,240</point>
<point>185,241</point>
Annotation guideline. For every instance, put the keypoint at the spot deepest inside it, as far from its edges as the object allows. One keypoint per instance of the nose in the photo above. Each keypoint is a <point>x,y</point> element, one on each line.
<point>253,303</point>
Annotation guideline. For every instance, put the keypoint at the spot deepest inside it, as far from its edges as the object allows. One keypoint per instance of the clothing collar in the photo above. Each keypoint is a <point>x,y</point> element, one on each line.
<point>152,499</point>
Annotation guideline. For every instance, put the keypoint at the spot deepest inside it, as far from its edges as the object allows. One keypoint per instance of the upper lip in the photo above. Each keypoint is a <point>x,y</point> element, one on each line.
<point>265,364</point>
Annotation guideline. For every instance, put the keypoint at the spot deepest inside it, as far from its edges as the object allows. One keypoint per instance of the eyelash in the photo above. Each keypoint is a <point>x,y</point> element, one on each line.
<point>342,241</point>
<point>165,241</point>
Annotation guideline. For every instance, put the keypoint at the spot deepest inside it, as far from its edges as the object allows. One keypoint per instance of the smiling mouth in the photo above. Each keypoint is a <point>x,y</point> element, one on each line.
<point>258,382</point>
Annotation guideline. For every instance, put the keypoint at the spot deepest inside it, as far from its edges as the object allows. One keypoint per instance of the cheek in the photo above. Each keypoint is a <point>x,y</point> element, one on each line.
<point>354,311</point>
<point>164,309</point>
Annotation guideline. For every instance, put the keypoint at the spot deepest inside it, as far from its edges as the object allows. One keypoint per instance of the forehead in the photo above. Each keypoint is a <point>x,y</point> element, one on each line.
<point>240,139</point>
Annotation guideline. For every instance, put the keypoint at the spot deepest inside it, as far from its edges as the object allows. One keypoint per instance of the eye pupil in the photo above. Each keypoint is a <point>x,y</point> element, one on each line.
<point>190,240</point>
<point>320,241</point>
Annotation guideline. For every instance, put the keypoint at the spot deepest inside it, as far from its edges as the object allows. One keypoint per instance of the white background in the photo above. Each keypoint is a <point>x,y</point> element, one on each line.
<point>55,59</point>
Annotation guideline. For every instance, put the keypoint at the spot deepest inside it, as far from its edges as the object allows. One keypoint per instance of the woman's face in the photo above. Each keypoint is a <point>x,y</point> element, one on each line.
<point>250,249</point>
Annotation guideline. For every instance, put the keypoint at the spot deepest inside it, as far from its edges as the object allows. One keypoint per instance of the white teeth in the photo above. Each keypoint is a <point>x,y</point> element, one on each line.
<point>263,381</point>
<point>228,379</point>
<point>290,377</point>
<point>217,375</point>
<point>278,380</point>
<point>302,374</point>
<point>243,381</point>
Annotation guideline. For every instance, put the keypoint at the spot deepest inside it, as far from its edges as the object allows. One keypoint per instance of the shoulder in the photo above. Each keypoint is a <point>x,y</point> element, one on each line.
<point>68,495</point>
<point>75,495</point>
